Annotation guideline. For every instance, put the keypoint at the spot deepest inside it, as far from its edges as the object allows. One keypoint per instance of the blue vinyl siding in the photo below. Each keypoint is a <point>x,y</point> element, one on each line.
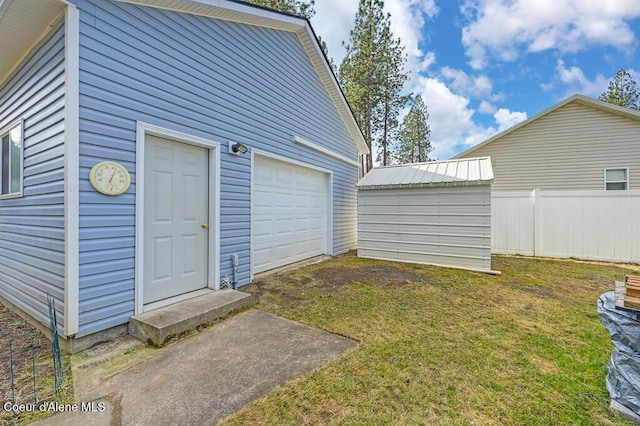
<point>32,227</point>
<point>209,78</point>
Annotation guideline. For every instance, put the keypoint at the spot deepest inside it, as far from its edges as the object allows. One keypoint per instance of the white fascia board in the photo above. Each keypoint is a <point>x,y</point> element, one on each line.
<point>309,41</point>
<point>323,150</point>
<point>228,11</point>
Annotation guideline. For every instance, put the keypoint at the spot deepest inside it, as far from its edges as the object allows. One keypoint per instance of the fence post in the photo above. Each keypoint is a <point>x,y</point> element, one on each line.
<point>537,226</point>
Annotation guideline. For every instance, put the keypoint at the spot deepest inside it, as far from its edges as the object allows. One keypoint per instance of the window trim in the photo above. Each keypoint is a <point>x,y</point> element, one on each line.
<point>3,132</point>
<point>626,181</point>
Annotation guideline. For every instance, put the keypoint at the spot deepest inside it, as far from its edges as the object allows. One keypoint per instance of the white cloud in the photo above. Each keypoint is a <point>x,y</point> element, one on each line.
<point>450,117</point>
<point>465,84</point>
<point>333,22</point>
<point>428,60</point>
<point>447,91</point>
<point>502,28</point>
<point>480,135</point>
<point>486,108</point>
<point>506,118</point>
<point>407,20</point>
<point>571,80</point>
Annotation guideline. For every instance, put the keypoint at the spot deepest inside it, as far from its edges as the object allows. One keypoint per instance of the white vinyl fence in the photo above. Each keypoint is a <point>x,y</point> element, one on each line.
<point>595,225</point>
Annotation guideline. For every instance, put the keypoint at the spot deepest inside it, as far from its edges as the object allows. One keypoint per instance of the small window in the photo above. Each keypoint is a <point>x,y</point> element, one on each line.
<point>616,179</point>
<point>11,161</point>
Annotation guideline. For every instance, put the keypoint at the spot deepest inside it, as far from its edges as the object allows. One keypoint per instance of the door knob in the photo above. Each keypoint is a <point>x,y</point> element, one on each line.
<point>205,225</point>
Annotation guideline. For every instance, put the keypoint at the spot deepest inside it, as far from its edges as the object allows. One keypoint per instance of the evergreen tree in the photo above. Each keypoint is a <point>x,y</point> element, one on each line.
<point>622,91</point>
<point>413,137</point>
<point>325,50</point>
<point>393,79</point>
<point>295,7</point>
<point>372,76</point>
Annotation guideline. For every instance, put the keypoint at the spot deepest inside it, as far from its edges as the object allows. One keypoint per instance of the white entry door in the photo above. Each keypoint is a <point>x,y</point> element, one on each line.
<point>175,218</point>
<point>289,213</point>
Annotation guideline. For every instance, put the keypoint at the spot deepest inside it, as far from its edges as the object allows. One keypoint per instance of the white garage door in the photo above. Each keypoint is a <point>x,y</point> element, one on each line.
<point>289,213</point>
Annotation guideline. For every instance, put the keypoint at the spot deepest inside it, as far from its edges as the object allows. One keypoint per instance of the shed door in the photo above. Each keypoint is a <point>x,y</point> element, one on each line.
<point>175,218</point>
<point>289,213</point>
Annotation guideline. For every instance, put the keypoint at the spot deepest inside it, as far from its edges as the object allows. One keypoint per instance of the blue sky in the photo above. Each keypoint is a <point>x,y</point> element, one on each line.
<point>483,66</point>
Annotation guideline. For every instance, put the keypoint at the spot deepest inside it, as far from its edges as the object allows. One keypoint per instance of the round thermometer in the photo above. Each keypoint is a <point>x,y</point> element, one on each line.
<point>110,178</point>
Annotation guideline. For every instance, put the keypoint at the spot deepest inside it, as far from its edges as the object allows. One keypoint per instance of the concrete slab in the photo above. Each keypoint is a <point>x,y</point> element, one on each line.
<point>204,378</point>
<point>160,325</point>
<point>103,352</point>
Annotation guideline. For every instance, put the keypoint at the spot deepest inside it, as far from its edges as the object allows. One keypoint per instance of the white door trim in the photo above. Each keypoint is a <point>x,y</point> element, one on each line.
<point>213,276</point>
<point>328,249</point>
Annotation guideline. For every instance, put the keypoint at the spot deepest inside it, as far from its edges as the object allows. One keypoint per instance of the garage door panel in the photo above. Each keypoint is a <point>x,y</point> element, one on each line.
<point>284,199</point>
<point>289,213</point>
<point>302,201</point>
<point>262,172</point>
<point>261,256</point>
<point>317,224</point>
<point>284,175</point>
<point>300,226</point>
<point>283,229</point>
<point>261,228</point>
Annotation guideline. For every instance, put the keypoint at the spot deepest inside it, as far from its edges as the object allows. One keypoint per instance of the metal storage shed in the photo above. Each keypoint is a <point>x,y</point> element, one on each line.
<point>435,213</point>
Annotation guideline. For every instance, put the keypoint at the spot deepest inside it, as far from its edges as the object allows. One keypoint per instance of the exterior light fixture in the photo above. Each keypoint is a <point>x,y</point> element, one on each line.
<point>238,148</point>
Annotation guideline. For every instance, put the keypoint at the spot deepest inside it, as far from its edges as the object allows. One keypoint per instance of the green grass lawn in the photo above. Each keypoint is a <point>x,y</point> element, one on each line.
<point>443,346</point>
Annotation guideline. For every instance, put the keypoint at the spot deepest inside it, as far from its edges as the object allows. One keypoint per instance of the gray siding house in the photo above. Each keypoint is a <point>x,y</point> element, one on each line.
<point>124,181</point>
<point>578,144</point>
<point>567,183</point>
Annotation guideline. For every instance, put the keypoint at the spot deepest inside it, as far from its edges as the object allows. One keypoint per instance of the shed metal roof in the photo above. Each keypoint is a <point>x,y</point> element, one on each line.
<point>468,171</point>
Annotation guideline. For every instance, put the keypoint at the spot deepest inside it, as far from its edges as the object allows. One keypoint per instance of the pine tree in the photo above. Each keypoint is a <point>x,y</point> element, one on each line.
<point>295,7</point>
<point>622,91</point>
<point>325,50</point>
<point>372,76</point>
<point>413,137</point>
<point>392,64</point>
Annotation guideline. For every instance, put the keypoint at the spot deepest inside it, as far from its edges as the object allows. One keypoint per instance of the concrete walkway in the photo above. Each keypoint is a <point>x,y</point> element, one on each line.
<point>204,378</point>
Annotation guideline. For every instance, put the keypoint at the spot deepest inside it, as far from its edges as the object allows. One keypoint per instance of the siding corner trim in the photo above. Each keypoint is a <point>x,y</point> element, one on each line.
<point>72,171</point>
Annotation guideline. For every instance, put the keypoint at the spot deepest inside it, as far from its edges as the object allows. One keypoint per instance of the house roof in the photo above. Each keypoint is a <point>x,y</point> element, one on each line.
<point>578,99</point>
<point>434,173</point>
<point>24,22</point>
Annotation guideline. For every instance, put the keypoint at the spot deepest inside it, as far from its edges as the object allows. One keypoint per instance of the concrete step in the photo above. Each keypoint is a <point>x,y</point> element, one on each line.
<point>159,326</point>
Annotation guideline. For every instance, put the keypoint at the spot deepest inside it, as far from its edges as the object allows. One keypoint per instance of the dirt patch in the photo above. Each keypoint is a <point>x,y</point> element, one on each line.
<point>379,275</point>
<point>26,365</point>
<point>319,282</point>
<point>21,344</point>
<point>542,291</point>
